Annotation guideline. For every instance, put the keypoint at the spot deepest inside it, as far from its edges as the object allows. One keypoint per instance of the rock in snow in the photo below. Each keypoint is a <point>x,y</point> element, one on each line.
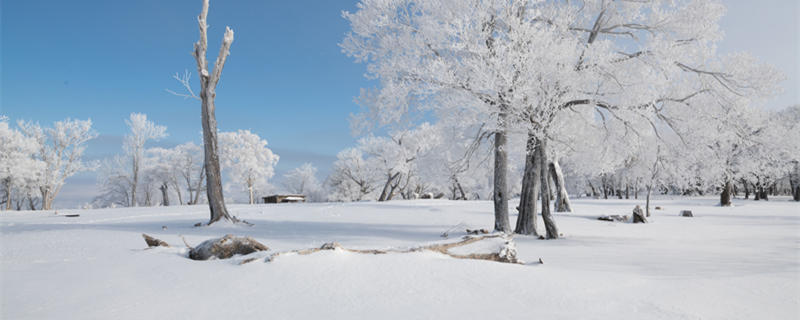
<point>686,213</point>
<point>225,247</point>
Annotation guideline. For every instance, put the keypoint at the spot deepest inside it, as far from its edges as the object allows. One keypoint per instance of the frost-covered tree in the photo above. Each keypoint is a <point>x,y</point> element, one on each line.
<point>141,131</point>
<point>246,156</point>
<point>61,149</point>
<point>351,179</point>
<point>20,171</point>
<point>187,161</point>
<point>114,181</point>
<point>303,180</point>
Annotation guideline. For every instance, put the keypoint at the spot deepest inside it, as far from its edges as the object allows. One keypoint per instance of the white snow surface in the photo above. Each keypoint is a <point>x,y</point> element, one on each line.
<point>741,262</point>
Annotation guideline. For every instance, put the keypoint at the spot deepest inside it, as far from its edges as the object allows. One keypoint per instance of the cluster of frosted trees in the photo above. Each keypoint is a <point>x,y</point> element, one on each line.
<point>606,84</point>
<point>149,176</point>
<point>36,161</point>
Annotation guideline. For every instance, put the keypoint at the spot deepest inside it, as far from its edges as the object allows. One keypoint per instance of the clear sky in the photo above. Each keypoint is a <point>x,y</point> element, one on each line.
<point>286,78</point>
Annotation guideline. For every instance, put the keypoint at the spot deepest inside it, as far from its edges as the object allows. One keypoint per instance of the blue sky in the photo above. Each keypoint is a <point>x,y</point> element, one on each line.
<point>286,78</point>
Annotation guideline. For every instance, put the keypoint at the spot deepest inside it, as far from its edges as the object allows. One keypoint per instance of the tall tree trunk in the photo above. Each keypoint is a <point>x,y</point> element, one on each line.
<point>549,222</point>
<point>526,220</point>
<point>627,191</point>
<point>796,194</point>
<point>135,184</point>
<point>46,201</point>
<point>500,194</point>
<point>460,190</point>
<point>164,194</point>
<point>725,197</point>
<point>647,202</point>
<point>7,184</point>
<point>251,193</point>
<point>746,190</point>
<point>562,197</point>
<point>208,85</point>
<point>178,191</point>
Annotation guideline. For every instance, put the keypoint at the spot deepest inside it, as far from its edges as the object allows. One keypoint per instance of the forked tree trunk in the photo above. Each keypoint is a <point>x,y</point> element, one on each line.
<point>562,197</point>
<point>531,185</point>
<point>500,196</point>
<point>725,197</point>
<point>208,85</point>
<point>549,222</point>
<point>387,186</point>
<point>46,200</point>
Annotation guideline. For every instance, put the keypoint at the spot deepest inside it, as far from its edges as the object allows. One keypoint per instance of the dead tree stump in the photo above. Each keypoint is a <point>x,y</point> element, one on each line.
<point>638,215</point>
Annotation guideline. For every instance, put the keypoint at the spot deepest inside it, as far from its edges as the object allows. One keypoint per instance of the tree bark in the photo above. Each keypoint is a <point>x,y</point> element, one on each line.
<point>746,190</point>
<point>647,205</point>
<point>47,203</point>
<point>796,195</point>
<point>549,222</point>
<point>500,193</point>
<point>135,184</point>
<point>526,220</point>
<point>164,194</point>
<point>208,84</point>
<point>7,184</point>
<point>386,187</point>
<point>725,197</point>
<point>562,197</point>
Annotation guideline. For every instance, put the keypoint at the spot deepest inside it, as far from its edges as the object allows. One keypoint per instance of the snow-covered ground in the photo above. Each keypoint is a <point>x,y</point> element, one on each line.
<point>725,263</point>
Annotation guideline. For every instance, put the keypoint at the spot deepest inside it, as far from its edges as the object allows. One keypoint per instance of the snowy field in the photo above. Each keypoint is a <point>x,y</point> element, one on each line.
<point>725,263</point>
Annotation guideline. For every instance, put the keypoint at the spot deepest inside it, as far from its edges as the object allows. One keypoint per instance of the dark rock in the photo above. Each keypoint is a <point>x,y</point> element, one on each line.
<point>659,208</point>
<point>614,217</point>
<point>481,231</point>
<point>638,215</point>
<point>225,247</point>
<point>686,213</point>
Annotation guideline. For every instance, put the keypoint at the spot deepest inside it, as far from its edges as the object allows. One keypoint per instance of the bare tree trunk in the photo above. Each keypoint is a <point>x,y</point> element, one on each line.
<point>250,192</point>
<point>725,197</point>
<point>208,85</point>
<point>562,197</point>
<point>199,185</point>
<point>178,191</point>
<point>135,184</point>
<point>549,222</point>
<point>7,184</point>
<point>46,200</point>
<point>385,192</point>
<point>647,205</point>
<point>526,220</point>
<point>460,190</point>
<point>746,190</point>
<point>796,195</point>
<point>164,194</point>
<point>500,193</point>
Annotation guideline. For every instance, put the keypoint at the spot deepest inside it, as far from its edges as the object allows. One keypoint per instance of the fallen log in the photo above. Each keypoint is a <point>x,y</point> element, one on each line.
<point>506,254</point>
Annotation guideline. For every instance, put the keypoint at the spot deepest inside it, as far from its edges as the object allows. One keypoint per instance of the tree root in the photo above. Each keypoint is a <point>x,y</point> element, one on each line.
<point>507,254</point>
